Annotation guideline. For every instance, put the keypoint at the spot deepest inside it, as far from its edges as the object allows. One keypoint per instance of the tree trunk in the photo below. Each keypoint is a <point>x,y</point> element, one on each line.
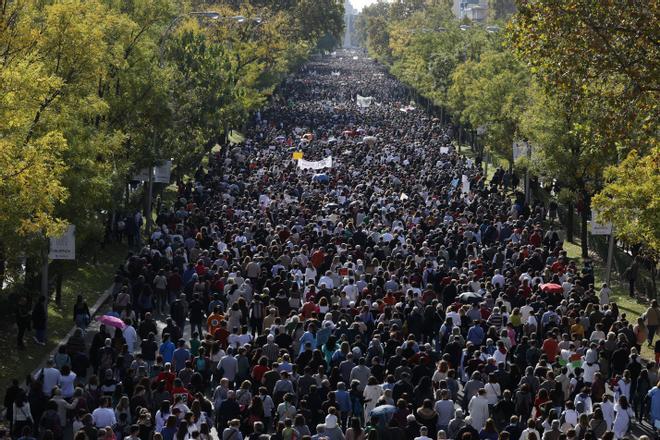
<point>569,222</point>
<point>59,278</point>
<point>584,234</point>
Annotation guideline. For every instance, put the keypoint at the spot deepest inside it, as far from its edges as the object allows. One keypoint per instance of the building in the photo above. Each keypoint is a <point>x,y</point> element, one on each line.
<point>349,22</point>
<point>475,10</point>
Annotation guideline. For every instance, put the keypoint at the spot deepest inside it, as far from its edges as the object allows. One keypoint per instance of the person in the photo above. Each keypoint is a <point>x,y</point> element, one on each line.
<point>232,432</point>
<point>21,415</point>
<point>423,434</point>
<point>631,274</point>
<point>654,412</point>
<point>81,315</point>
<point>104,415</point>
<point>623,418</point>
<point>530,433</point>
<point>67,381</point>
<point>489,432</point>
<point>394,241</point>
<point>49,377</point>
<point>39,318</point>
<point>479,410</point>
<point>22,321</point>
<point>652,321</point>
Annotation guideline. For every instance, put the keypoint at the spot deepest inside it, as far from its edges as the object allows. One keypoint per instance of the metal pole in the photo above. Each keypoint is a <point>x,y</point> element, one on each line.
<point>610,256</point>
<point>527,186</point>
<point>150,193</point>
<point>44,271</point>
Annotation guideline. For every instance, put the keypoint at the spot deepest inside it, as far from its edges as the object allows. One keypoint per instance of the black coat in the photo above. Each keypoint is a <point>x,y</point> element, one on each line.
<point>39,316</point>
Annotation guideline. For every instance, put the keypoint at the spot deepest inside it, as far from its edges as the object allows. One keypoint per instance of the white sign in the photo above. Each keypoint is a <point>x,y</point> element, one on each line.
<point>521,149</point>
<point>599,228</point>
<point>364,101</point>
<point>64,246</point>
<point>444,150</point>
<point>315,165</point>
<point>162,172</point>
<point>142,175</point>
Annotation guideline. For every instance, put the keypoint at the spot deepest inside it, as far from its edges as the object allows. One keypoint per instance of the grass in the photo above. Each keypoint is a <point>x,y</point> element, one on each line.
<point>87,279</point>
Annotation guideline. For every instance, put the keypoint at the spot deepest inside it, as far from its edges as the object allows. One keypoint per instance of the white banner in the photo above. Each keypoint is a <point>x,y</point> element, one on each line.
<point>315,165</point>
<point>364,101</point>
<point>64,246</point>
<point>162,172</point>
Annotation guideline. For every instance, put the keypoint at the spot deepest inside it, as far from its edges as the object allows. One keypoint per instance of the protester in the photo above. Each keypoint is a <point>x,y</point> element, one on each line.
<point>380,287</point>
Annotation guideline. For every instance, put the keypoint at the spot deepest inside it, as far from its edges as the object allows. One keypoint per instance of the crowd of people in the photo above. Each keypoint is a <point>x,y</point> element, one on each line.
<point>396,294</point>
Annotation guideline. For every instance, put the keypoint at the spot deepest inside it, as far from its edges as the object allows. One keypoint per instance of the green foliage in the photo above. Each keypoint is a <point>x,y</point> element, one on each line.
<point>87,97</point>
<point>603,54</point>
<point>491,93</point>
<point>631,200</point>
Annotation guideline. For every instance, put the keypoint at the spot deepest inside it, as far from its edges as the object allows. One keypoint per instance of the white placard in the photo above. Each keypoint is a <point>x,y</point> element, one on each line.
<point>364,101</point>
<point>444,150</point>
<point>162,172</point>
<point>315,165</point>
<point>64,246</point>
<point>142,175</point>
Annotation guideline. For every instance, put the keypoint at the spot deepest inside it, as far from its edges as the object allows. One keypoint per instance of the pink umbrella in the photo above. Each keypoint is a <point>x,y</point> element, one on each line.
<point>552,288</point>
<point>111,321</point>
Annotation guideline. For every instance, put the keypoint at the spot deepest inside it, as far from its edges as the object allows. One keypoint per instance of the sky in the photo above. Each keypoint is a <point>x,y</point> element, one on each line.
<point>359,4</point>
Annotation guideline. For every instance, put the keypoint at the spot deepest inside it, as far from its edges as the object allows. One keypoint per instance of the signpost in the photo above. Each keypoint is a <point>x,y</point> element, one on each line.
<point>598,228</point>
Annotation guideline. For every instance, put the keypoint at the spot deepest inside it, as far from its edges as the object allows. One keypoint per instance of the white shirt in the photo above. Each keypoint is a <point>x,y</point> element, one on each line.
<point>66,384</point>
<point>103,417</point>
<point>329,283</point>
<point>498,280</point>
<point>51,379</point>
<point>526,432</point>
<point>131,338</point>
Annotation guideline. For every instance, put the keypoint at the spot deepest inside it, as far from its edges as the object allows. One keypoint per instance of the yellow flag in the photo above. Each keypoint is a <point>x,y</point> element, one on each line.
<point>297,155</point>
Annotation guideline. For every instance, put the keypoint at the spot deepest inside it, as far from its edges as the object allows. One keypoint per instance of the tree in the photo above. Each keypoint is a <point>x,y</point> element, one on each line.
<point>564,150</point>
<point>631,201</point>
<point>605,53</point>
<point>599,61</point>
<point>491,93</point>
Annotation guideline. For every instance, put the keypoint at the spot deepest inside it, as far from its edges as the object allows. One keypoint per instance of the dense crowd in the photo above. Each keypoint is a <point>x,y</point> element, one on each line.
<point>398,294</point>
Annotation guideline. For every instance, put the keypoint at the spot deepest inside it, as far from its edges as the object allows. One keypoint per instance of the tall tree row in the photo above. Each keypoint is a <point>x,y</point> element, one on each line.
<point>92,91</point>
<point>578,80</point>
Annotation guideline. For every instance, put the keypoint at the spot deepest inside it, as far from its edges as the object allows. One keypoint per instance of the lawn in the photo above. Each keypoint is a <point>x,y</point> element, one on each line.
<point>89,280</point>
